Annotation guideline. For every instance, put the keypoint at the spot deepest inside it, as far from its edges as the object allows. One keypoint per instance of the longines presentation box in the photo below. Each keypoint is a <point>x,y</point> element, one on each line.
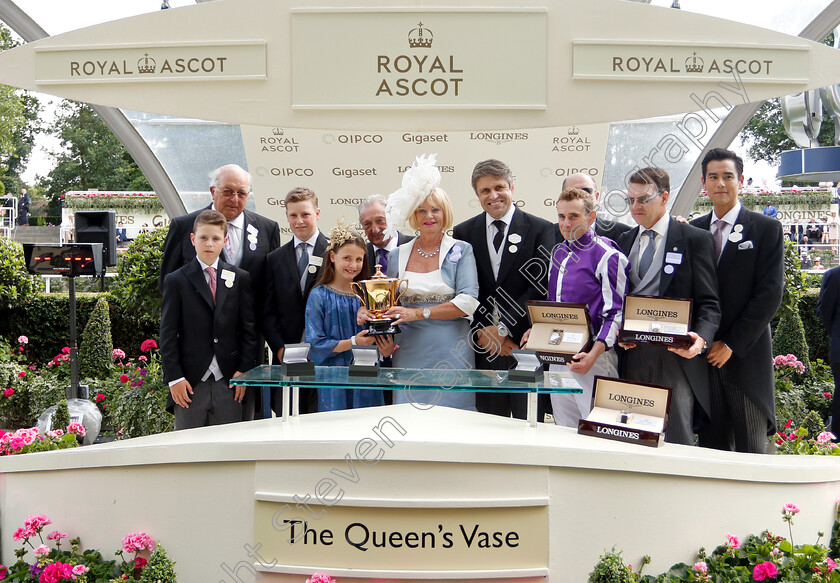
<point>558,330</point>
<point>296,361</point>
<point>656,320</point>
<point>628,411</point>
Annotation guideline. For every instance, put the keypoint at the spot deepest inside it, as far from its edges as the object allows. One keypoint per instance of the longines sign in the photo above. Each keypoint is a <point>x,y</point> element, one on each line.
<point>666,61</point>
<point>224,61</point>
<point>413,59</point>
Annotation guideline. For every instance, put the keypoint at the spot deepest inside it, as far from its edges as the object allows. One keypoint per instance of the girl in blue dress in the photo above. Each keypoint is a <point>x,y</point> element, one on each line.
<point>331,327</point>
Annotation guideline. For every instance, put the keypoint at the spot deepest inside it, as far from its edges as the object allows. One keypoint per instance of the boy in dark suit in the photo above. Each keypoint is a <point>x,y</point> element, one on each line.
<point>207,331</point>
<point>290,274</point>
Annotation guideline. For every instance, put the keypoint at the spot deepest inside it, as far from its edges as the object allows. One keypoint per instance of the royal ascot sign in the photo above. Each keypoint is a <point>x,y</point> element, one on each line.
<point>415,59</point>
<point>150,63</point>
<point>402,539</point>
<point>468,66</point>
<point>663,61</point>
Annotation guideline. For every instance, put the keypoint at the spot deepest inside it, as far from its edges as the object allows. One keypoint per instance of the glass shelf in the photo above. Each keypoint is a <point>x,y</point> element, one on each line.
<point>413,378</point>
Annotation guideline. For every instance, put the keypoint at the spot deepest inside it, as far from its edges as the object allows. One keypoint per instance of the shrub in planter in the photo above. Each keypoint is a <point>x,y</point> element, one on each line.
<point>45,389</point>
<point>61,417</point>
<point>96,346</point>
<point>790,337</point>
<point>160,568</point>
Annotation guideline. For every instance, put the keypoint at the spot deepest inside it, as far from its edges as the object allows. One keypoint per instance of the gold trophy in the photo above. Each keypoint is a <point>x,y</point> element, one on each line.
<point>378,294</point>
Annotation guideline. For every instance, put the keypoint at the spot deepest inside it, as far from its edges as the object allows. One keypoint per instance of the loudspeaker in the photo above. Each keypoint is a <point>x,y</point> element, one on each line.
<point>98,227</point>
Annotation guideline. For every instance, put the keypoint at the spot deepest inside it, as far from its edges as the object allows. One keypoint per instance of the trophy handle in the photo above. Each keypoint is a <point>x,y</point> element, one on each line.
<point>360,293</point>
<point>399,283</point>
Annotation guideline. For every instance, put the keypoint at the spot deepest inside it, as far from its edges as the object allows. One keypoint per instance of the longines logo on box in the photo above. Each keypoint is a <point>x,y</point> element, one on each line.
<point>571,142</point>
<point>425,74</point>
<point>498,138</point>
<point>279,142</point>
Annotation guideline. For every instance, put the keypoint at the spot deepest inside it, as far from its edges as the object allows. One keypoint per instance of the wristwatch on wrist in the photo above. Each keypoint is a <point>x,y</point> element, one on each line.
<point>427,313</point>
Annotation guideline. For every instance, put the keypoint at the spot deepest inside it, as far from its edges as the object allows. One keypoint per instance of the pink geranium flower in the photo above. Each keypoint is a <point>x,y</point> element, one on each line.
<point>825,437</point>
<point>76,428</point>
<point>56,572</point>
<point>320,578</point>
<point>790,510</point>
<point>99,397</point>
<point>22,374</point>
<point>23,339</point>
<point>137,541</point>
<point>80,570</point>
<point>830,564</point>
<point>733,541</point>
<point>765,570</point>
<point>37,521</point>
<point>9,392</point>
<point>123,378</point>
<point>701,567</point>
<point>148,345</point>
<point>41,551</point>
<point>117,354</point>
<point>57,535</point>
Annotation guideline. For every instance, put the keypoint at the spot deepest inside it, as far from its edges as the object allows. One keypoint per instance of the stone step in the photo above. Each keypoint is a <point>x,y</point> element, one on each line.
<point>29,234</point>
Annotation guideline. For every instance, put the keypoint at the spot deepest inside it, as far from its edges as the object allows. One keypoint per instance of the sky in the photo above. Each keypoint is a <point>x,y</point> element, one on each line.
<point>57,16</point>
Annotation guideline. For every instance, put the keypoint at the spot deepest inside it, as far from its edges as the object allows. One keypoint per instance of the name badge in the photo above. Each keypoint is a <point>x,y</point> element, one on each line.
<point>675,258</point>
<point>316,261</point>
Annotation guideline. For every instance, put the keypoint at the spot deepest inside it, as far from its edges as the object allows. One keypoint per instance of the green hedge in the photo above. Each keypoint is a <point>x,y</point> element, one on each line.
<point>46,321</point>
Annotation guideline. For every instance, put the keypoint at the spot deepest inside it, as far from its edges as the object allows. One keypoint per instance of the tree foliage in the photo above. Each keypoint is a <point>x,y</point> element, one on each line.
<point>18,109</point>
<point>91,157</point>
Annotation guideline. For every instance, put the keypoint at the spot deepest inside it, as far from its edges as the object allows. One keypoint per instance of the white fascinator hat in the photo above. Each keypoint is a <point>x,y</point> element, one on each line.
<point>417,182</point>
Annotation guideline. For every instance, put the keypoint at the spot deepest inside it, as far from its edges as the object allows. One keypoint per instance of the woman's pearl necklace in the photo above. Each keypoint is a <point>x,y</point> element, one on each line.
<point>425,254</point>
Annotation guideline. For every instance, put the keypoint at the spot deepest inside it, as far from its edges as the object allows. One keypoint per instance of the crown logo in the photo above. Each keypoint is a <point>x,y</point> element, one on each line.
<point>146,64</point>
<point>694,64</point>
<point>420,38</point>
<point>277,131</point>
<point>573,131</point>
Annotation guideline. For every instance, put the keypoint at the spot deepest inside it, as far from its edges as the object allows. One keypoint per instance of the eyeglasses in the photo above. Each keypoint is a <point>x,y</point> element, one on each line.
<point>588,189</point>
<point>230,193</point>
<point>643,200</point>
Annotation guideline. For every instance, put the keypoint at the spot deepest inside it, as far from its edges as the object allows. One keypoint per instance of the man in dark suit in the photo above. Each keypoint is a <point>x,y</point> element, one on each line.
<point>605,224</point>
<point>503,239</point>
<point>671,259</point>
<point>750,274</point>
<point>291,272</point>
<point>250,238</point>
<point>207,331</point>
<point>372,219</point>
<point>828,307</point>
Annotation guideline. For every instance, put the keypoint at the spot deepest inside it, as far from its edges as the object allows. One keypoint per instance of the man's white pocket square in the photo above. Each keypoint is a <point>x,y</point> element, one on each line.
<point>745,245</point>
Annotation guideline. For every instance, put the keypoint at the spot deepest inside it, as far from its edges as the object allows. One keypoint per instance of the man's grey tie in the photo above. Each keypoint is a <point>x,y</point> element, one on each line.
<point>647,256</point>
<point>719,227</point>
<point>302,263</point>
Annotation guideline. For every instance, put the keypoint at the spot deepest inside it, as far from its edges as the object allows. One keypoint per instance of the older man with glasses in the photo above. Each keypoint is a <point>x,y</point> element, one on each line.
<point>606,223</point>
<point>671,259</point>
<point>250,238</point>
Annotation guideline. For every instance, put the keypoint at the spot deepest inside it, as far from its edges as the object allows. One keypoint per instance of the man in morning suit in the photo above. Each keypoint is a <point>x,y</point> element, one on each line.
<point>291,272</point>
<point>250,238</point>
<point>750,275</point>
<point>671,259</point>
<point>605,225</point>
<point>503,239</point>
<point>207,331</point>
<point>828,307</point>
<point>372,219</point>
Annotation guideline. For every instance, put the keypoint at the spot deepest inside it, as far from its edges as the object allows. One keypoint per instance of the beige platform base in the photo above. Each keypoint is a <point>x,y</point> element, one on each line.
<point>550,501</point>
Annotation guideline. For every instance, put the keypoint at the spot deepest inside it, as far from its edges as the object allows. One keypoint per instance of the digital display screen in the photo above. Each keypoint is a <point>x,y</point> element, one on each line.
<point>70,260</point>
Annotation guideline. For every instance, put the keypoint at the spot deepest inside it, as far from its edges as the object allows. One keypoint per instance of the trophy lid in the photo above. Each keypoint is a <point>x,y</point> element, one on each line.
<point>379,274</point>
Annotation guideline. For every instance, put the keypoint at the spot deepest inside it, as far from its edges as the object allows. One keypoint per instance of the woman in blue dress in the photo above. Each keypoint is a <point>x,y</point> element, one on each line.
<point>436,310</point>
<point>331,327</point>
